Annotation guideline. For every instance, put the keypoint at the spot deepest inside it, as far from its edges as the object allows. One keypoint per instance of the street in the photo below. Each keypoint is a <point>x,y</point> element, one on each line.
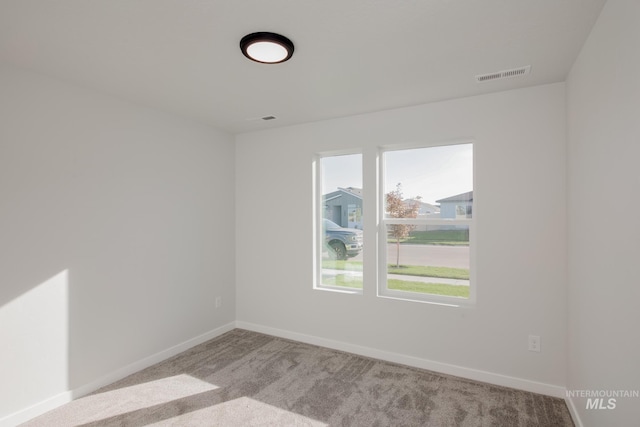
<point>433,255</point>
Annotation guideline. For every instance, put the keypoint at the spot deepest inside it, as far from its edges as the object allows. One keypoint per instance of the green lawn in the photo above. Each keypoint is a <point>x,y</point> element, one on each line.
<point>429,288</point>
<point>408,270</point>
<point>342,265</point>
<point>428,271</point>
<point>437,237</point>
<point>343,280</point>
<point>355,282</point>
<point>400,285</point>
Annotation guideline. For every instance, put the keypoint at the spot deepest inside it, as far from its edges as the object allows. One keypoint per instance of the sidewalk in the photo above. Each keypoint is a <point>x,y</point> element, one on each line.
<point>422,279</point>
<point>456,282</point>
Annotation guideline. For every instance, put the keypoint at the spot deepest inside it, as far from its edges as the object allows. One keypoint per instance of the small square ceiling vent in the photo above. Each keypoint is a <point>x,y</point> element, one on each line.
<point>504,74</point>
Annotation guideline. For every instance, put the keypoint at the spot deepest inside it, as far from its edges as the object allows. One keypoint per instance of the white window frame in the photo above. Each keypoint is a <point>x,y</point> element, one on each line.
<point>317,206</point>
<point>383,290</point>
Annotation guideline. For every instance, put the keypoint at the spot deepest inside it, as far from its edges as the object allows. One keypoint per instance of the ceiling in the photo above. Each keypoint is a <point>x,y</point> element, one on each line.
<point>351,57</point>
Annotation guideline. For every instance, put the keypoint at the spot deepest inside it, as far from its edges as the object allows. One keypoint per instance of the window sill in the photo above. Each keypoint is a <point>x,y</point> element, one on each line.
<point>454,302</point>
<point>338,289</point>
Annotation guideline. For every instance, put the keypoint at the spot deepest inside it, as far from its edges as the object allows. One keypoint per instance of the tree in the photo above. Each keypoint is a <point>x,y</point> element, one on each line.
<point>398,208</point>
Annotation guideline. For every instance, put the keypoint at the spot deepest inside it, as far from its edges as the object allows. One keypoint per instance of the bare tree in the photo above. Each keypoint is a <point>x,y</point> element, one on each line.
<point>397,208</point>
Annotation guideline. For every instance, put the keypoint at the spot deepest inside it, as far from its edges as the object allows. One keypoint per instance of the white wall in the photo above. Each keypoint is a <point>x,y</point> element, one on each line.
<point>116,235</point>
<point>521,261</point>
<point>603,97</point>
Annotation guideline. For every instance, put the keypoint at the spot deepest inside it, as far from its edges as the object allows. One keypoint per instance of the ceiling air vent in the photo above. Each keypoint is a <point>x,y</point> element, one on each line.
<point>505,74</point>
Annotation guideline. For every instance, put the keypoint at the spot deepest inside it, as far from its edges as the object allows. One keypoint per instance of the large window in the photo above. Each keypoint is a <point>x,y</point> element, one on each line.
<point>427,223</point>
<point>424,210</point>
<point>339,225</point>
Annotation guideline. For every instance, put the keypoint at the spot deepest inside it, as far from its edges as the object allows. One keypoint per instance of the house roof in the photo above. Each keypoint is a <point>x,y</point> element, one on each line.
<point>352,190</point>
<point>464,197</point>
<point>356,192</point>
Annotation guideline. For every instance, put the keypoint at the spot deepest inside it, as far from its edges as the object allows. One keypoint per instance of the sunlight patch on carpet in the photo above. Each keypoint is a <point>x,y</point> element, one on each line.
<point>125,400</point>
<point>243,411</point>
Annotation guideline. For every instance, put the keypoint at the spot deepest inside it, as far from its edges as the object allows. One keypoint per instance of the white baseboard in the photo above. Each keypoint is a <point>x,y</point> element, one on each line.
<point>39,408</point>
<point>444,368</point>
<point>149,361</point>
<point>573,411</point>
<point>67,396</point>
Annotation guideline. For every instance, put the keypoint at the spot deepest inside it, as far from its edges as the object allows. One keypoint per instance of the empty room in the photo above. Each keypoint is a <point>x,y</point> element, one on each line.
<point>319,213</point>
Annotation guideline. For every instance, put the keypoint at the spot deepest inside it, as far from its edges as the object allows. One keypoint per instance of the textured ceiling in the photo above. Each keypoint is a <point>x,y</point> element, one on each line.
<point>352,56</point>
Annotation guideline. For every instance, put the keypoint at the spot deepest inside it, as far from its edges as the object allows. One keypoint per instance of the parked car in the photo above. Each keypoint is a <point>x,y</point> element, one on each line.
<point>340,242</point>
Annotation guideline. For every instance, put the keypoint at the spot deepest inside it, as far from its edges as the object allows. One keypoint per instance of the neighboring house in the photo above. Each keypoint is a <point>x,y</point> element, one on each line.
<point>425,209</point>
<point>344,207</point>
<point>458,206</point>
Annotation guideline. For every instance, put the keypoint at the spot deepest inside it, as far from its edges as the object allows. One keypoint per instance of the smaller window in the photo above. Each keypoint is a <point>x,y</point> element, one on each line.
<point>339,224</point>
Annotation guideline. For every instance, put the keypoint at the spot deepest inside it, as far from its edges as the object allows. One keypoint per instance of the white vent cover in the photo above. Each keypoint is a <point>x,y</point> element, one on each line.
<point>504,74</point>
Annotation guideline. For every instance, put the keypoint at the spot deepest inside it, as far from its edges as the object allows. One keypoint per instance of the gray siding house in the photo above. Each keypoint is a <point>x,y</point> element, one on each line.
<point>344,207</point>
<point>458,206</point>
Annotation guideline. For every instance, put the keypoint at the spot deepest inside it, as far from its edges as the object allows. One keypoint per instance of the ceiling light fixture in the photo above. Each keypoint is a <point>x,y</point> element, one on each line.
<point>266,48</point>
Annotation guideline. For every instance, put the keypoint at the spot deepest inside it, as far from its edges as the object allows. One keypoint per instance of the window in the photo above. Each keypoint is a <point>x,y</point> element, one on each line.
<point>338,231</point>
<point>427,223</point>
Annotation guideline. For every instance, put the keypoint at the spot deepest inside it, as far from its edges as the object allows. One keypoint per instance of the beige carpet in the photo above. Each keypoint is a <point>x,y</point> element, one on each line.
<point>244,378</point>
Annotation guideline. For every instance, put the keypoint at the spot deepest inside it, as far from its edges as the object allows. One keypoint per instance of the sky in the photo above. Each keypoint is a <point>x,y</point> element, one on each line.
<point>433,173</point>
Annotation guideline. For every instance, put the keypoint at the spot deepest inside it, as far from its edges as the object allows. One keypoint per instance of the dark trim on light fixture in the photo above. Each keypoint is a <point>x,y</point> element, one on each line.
<point>270,38</point>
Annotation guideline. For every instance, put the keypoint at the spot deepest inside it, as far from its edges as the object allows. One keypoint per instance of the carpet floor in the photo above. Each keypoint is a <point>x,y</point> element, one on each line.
<point>244,378</point>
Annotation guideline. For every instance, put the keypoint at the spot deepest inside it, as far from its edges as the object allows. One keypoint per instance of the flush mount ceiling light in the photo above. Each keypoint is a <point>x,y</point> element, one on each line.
<point>266,48</point>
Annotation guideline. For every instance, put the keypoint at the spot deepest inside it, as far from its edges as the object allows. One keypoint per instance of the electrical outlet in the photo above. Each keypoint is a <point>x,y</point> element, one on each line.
<point>218,302</point>
<point>534,343</point>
